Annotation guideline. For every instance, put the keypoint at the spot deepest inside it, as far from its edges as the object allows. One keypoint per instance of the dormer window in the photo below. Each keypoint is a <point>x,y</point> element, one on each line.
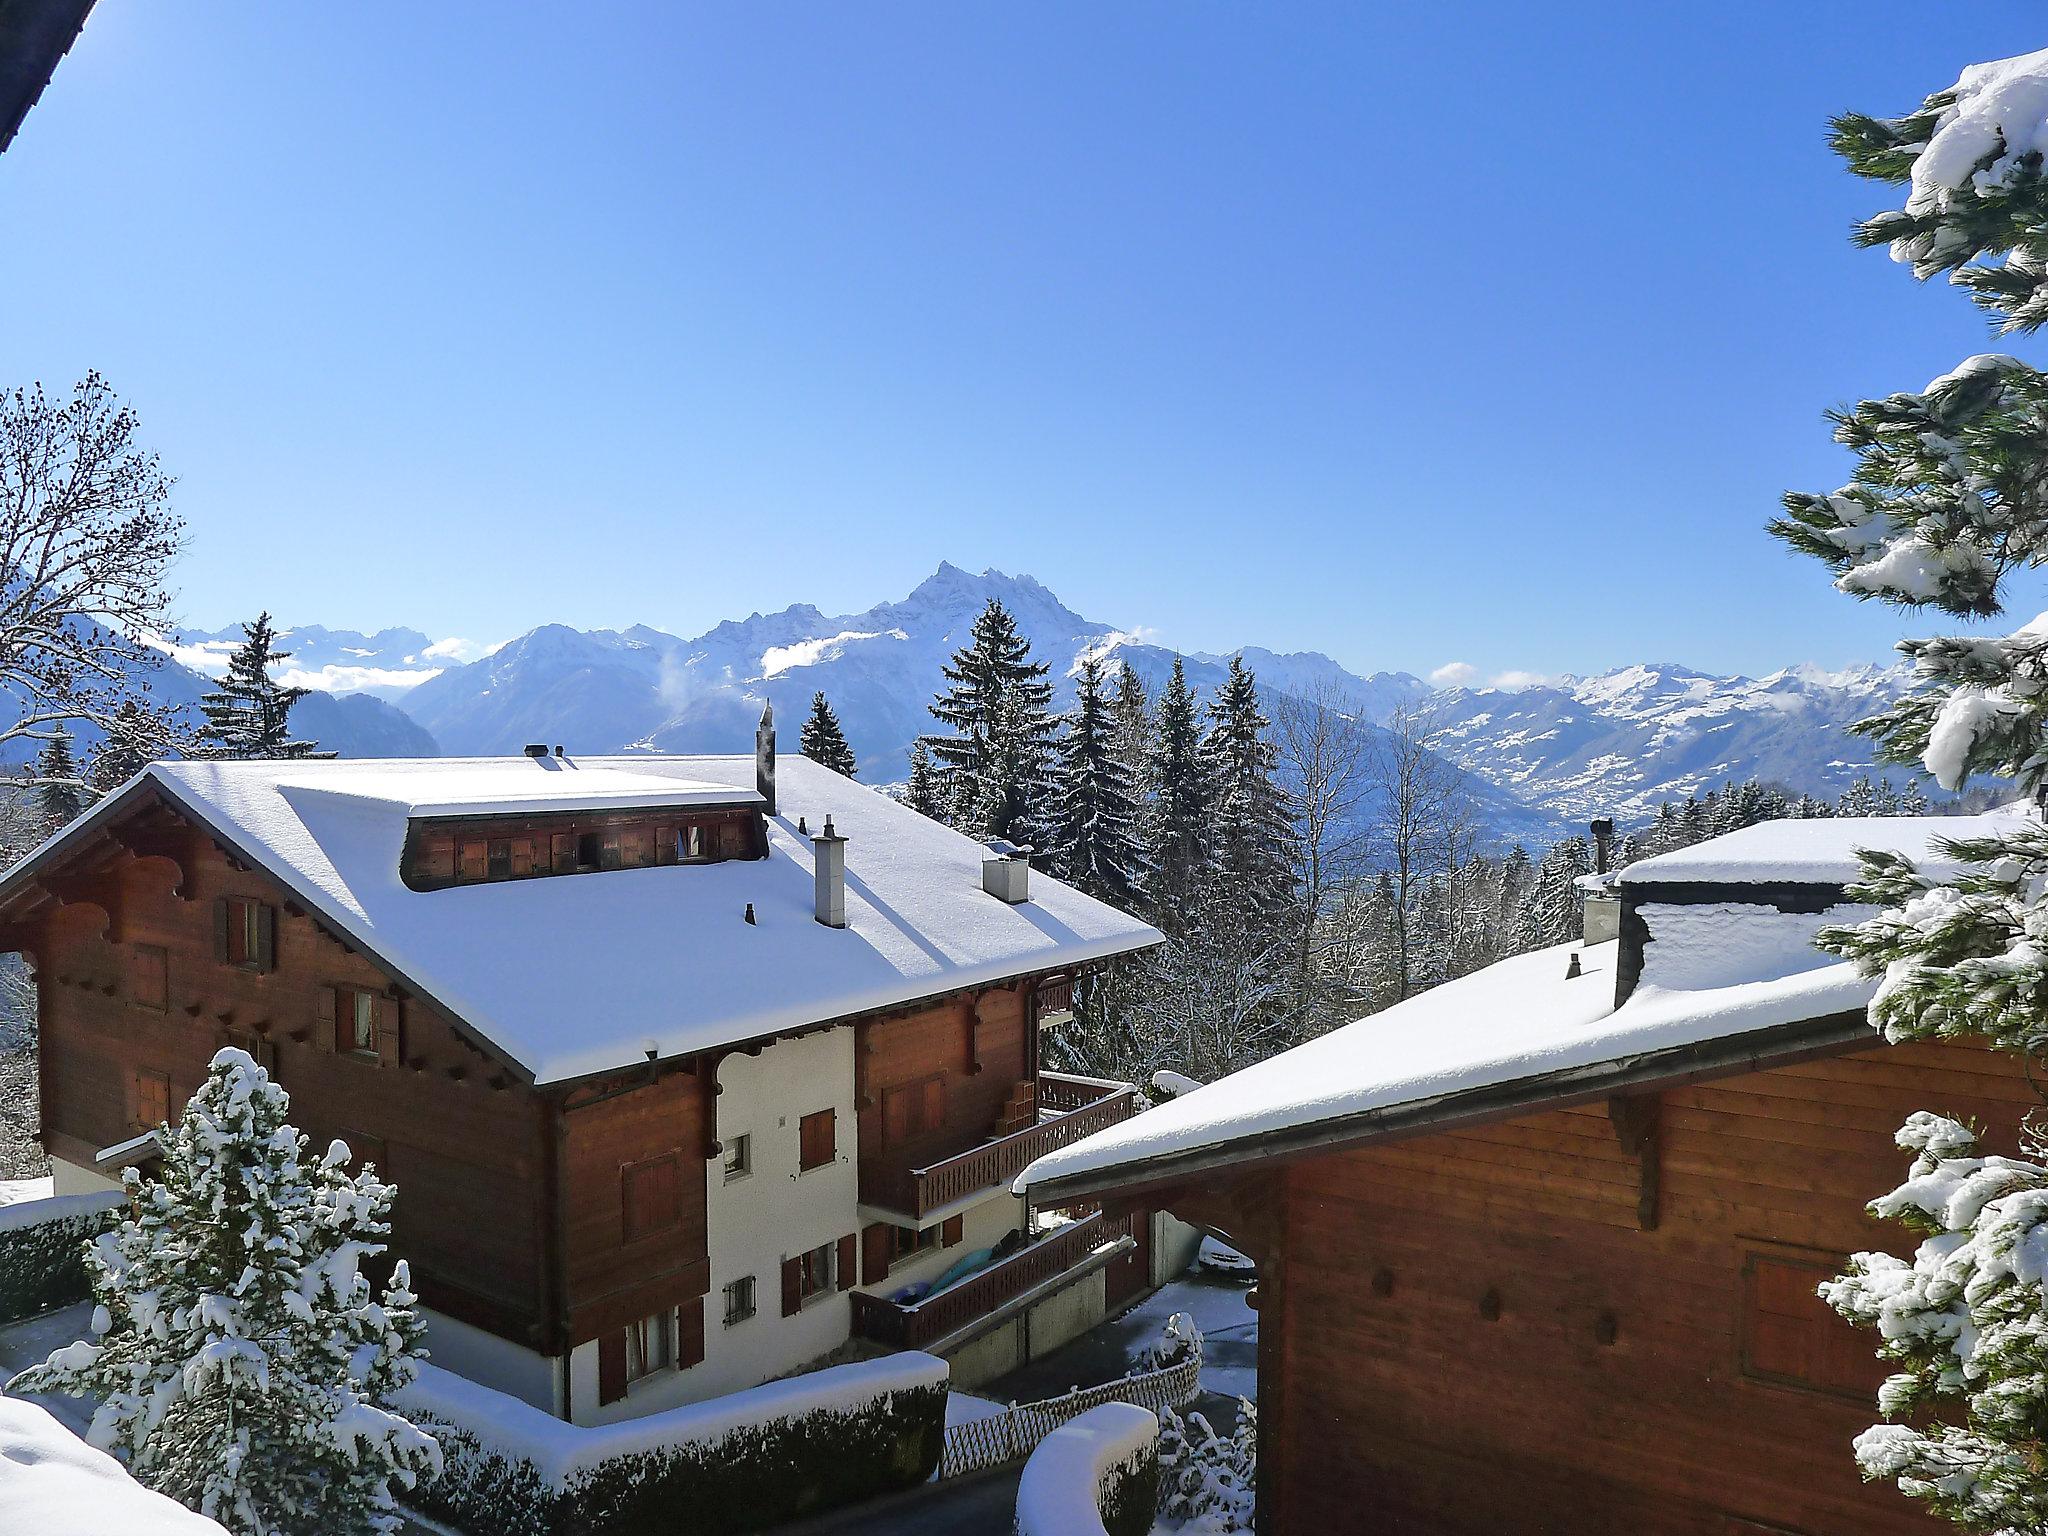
<point>479,849</point>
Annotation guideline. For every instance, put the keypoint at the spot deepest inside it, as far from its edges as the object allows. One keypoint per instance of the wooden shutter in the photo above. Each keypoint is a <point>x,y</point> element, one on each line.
<point>220,929</point>
<point>324,1015</point>
<point>950,1230</point>
<point>877,1244</point>
<point>652,1198</point>
<point>690,1333</point>
<point>817,1142</point>
<point>389,1049</point>
<point>792,1286</point>
<point>665,845</point>
<point>847,1273</point>
<point>265,958</point>
<point>934,1104</point>
<point>896,1104</point>
<point>149,977</point>
<point>563,856</point>
<point>611,1366</point>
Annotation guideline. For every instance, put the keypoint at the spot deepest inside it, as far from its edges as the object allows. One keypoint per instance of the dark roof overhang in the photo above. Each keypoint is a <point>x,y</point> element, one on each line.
<point>34,35</point>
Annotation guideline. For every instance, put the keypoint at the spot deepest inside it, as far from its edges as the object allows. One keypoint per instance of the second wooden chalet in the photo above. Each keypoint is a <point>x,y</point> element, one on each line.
<point>687,1077</point>
<point>1537,1248</point>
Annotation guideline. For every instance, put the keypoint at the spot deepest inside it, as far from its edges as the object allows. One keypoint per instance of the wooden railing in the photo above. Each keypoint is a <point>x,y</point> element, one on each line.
<point>1059,1092</point>
<point>1054,995</point>
<point>925,1322</point>
<point>917,1192</point>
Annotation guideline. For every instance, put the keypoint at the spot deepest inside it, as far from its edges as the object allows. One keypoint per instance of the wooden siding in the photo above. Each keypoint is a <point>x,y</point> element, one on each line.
<point>145,993</point>
<point>1473,1331</point>
<point>472,850</point>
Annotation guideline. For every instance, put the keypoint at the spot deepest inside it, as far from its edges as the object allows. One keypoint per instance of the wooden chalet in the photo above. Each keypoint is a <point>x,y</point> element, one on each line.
<point>1538,1248</point>
<point>685,1081</point>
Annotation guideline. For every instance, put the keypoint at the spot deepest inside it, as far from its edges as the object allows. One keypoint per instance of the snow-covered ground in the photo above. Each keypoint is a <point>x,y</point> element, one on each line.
<point>14,1191</point>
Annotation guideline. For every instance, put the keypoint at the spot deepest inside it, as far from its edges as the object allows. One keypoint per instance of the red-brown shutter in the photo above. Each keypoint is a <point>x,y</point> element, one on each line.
<point>388,1051</point>
<point>934,1104</point>
<point>950,1230</point>
<point>652,1198</point>
<point>665,845</point>
<point>792,1287</point>
<point>220,929</point>
<point>611,1366</point>
<point>877,1244</point>
<point>847,1275</point>
<point>324,1015</point>
<point>690,1333</point>
<point>266,938</point>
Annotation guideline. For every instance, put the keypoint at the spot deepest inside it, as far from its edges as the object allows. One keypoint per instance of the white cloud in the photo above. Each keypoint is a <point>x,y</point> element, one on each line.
<point>778,659</point>
<point>1454,674</point>
<point>336,678</point>
<point>455,649</point>
<point>1516,681</point>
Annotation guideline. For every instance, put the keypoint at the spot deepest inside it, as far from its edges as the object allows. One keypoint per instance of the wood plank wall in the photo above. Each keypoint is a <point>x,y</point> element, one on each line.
<point>980,1050</point>
<point>1612,1390</point>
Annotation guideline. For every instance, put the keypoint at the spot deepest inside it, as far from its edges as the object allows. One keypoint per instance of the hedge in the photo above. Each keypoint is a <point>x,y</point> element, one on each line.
<point>734,1464</point>
<point>1096,1475</point>
<point>42,1251</point>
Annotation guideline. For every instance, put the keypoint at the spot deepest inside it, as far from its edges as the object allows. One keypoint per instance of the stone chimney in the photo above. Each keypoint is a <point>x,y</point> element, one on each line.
<point>828,867</point>
<point>1006,871</point>
<point>764,756</point>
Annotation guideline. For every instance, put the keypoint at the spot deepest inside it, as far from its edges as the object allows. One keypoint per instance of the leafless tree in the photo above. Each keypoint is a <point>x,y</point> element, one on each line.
<point>1425,820</point>
<point>86,536</point>
<point>1326,750</point>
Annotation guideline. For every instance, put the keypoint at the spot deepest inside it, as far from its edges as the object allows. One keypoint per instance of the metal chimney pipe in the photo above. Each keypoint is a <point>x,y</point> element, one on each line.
<point>1603,843</point>
<point>828,875</point>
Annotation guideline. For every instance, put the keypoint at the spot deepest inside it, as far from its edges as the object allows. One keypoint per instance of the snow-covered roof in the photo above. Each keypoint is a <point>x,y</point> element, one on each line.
<point>1519,1020</point>
<point>573,975</point>
<point>1819,850</point>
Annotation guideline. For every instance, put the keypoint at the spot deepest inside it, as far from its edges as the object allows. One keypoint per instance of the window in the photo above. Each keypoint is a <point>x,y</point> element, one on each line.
<point>244,933</point>
<point>149,977</point>
<point>650,1345</point>
<point>498,861</point>
<point>814,1273</point>
<point>912,1109</point>
<point>739,1158</point>
<point>739,1300</point>
<point>590,850</point>
<point>151,1092</point>
<point>690,841</point>
<point>476,858</point>
<point>1792,1337</point>
<point>652,1198</point>
<point>817,1142</point>
<point>908,1241</point>
<point>355,1020</point>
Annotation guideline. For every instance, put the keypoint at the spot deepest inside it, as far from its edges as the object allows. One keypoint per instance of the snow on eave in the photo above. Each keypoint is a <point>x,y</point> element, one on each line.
<point>1504,1041</point>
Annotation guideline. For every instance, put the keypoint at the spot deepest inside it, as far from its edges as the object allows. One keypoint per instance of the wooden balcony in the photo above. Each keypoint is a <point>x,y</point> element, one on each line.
<point>1061,1254</point>
<point>1054,998</point>
<point>1059,1092</point>
<point>916,1194</point>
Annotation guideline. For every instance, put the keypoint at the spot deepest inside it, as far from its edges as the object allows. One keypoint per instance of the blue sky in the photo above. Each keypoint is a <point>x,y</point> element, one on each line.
<point>1475,332</point>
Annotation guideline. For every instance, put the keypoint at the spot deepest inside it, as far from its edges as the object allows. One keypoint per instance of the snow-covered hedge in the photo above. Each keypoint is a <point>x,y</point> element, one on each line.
<point>42,1251</point>
<point>54,1484</point>
<point>1097,1475</point>
<point>735,1463</point>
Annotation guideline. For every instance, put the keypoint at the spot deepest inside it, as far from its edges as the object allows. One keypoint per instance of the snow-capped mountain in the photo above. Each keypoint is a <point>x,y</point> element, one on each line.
<point>389,664</point>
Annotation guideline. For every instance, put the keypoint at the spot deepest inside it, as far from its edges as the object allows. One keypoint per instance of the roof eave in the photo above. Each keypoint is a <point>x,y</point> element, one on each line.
<point>1729,1056</point>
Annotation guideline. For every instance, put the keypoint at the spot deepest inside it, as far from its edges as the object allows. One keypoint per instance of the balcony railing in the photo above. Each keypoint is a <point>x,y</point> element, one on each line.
<point>936,1317</point>
<point>1060,1092</point>
<point>1054,995</point>
<point>917,1192</point>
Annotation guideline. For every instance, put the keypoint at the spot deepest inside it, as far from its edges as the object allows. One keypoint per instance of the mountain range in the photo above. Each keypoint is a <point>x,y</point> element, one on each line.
<point>1539,760</point>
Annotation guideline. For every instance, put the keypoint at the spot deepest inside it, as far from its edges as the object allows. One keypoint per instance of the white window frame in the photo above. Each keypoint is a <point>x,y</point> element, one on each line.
<point>739,1157</point>
<point>650,1346</point>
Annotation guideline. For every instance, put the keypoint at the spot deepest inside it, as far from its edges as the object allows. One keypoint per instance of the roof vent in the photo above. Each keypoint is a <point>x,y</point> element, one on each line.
<point>1006,871</point>
<point>828,867</point>
<point>536,749</point>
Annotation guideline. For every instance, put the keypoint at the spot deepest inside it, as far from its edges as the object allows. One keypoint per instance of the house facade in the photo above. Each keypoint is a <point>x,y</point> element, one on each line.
<point>690,1073</point>
<point>1538,1248</point>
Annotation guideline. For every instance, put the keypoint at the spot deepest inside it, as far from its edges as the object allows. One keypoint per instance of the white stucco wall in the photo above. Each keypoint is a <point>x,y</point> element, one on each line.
<point>72,1179</point>
<point>754,1223</point>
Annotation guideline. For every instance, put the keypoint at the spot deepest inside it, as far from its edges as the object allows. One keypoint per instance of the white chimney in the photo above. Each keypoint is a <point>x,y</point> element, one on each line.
<point>1006,871</point>
<point>828,867</point>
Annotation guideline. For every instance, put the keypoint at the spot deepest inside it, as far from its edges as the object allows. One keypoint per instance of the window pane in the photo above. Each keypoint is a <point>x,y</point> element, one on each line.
<point>365,1021</point>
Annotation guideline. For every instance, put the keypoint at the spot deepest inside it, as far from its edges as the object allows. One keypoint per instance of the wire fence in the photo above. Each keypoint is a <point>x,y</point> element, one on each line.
<point>1011,1436</point>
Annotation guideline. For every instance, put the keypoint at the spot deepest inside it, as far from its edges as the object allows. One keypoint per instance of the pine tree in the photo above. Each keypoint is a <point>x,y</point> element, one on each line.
<point>923,794</point>
<point>248,712</point>
<point>824,743</point>
<point>1552,915</point>
<point>60,791</point>
<point>1096,835</point>
<point>1945,506</point>
<point>241,1359</point>
<point>1182,798</point>
<point>134,739</point>
<point>1133,709</point>
<point>1249,816</point>
<point>999,704</point>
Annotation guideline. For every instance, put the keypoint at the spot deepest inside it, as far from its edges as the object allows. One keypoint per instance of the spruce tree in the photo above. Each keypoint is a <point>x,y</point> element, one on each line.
<point>1182,799</point>
<point>1945,507</point>
<point>824,743</point>
<point>248,712</point>
<point>1133,712</point>
<point>241,1359</point>
<point>1096,836</point>
<point>60,786</point>
<point>1552,915</point>
<point>999,705</point>
<point>134,739</point>
<point>924,794</point>
<point>1250,820</point>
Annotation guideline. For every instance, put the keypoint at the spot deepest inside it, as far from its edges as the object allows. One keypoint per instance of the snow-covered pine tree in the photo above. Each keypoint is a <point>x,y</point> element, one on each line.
<point>242,1359</point>
<point>1552,914</point>
<point>1250,822</point>
<point>1182,798</point>
<point>1097,841</point>
<point>60,785</point>
<point>999,705</point>
<point>1945,507</point>
<point>823,742</point>
<point>134,739</point>
<point>248,712</point>
<point>924,793</point>
<point>1133,709</point>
